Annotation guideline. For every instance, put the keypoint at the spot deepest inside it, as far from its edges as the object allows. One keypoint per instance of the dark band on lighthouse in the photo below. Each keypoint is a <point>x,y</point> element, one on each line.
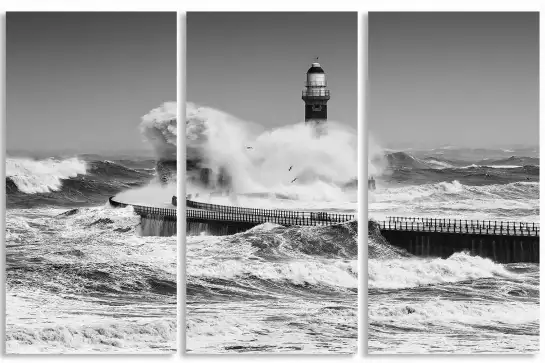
<point>315,94</point>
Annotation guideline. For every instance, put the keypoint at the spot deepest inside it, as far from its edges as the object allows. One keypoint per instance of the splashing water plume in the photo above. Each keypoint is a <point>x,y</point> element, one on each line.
<point>376,164</point>
<point>159,128</point>
<point>289,161</point>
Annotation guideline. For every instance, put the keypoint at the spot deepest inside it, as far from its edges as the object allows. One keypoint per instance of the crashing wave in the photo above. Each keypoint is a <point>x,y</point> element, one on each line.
<point>42,176</point>
<point>159,128</point>
<point>390,267</point>
<point>412,272</point>
<point>378,247</point>
<point>227,154</point>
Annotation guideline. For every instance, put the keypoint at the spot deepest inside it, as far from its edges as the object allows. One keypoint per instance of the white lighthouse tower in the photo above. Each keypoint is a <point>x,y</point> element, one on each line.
<point>316,95</point>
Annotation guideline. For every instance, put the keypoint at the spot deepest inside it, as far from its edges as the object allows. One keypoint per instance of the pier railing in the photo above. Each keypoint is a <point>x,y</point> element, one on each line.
<point>209,215</point>
<point>322,217</point>
<point>215,212</point>
<point>460,226</point>
<point>145,210</point>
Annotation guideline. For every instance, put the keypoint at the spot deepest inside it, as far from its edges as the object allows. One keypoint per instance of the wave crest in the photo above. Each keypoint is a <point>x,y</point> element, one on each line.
<point>413,272</point>
<point>42,176</point>
<point>457,190</point>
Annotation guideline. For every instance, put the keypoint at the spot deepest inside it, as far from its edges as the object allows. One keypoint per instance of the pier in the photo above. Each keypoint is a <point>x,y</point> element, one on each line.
<point>504,242</point>
<point>501,241</point>
<point>219,220</point>
<point>155,221</point>
<point>222,220</point>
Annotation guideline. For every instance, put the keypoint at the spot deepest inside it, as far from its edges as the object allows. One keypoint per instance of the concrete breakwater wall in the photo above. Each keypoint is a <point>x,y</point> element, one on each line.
<point>153,221</point>
<point>504,242</point>
<point>215,228</point>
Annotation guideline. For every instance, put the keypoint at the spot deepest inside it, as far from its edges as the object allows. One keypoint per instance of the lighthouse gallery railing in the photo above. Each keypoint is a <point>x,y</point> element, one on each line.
<point>315,92</point>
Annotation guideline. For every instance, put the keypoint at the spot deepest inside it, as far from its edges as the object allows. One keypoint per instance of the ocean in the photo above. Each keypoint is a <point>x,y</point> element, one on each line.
<point>272,289</point>
<point>80,278</point>
<point>462,304</point>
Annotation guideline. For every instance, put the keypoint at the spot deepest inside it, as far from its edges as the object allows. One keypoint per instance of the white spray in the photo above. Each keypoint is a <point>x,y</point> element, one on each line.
<point>159,128</point>
<point>376,163</point>
<point>288,160</point>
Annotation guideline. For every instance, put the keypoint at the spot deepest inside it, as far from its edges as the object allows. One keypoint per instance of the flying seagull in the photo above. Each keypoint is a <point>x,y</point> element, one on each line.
<point>290,168</point>
<point>294,180</point>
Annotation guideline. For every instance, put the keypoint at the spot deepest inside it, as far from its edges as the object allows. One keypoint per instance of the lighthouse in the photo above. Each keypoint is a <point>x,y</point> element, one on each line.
<point>316,95</point>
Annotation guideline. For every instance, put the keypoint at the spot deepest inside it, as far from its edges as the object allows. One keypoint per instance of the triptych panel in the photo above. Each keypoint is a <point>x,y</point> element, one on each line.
<point>91,247</point>
<point>453,125</point>
<point>271,181</point>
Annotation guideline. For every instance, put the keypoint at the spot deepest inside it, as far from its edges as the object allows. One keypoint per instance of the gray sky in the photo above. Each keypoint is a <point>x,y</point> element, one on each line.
<point>465,79</point>
<point>253,65</point>
<point>82,81</point>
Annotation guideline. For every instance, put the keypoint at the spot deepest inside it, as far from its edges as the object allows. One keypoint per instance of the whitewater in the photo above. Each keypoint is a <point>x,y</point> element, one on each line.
<point>84,282</point>
<point>32,176</point>
<point>81,276</point>
<point>289,162</point>
<point>271,289</point>
<point>464,303</point>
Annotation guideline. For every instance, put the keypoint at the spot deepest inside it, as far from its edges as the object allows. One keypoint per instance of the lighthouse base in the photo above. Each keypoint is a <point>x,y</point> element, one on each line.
<point>319,126</point>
